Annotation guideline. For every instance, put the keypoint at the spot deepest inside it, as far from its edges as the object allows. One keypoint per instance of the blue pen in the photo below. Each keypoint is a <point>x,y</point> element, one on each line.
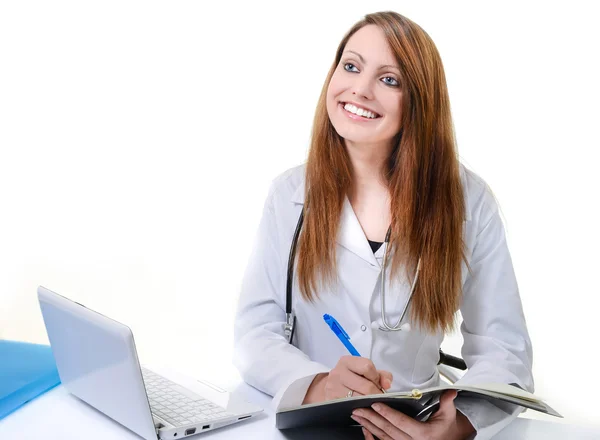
<point>342,336</point>
<point>340,333</point>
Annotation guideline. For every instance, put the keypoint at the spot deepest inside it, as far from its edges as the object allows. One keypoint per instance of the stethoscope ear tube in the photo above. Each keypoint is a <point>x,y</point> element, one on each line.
<point>290,319</point>
<point>290,269</point>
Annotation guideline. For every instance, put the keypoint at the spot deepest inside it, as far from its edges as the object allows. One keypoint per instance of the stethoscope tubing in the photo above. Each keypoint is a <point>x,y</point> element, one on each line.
<point>290,323</point>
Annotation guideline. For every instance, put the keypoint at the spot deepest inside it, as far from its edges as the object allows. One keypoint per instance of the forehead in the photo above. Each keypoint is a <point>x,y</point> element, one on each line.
<point>370,42</point>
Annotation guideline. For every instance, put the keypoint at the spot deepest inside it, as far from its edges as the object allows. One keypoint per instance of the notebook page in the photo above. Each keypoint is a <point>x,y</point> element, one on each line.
<point>508,390</point>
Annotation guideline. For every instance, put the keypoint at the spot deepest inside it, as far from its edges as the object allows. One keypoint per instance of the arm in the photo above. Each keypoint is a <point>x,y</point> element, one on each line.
<point>496,345</point>
<point>261,352</point>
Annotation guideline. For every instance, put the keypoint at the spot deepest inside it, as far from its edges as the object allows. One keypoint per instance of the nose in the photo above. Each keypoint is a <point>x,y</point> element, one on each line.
<point>362,87</point>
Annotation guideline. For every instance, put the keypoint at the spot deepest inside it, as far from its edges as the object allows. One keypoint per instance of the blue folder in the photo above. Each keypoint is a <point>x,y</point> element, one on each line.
<point>26,371</point>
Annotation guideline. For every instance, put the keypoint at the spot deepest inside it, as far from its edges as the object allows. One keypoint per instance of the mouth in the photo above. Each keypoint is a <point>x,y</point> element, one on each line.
<point>358,113</point>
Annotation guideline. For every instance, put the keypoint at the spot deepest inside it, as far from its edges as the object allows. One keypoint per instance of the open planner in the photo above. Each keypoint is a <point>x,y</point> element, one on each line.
<point>418,404</point>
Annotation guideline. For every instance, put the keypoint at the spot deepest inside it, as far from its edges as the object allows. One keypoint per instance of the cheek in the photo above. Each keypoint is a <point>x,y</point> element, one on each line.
<point>394,110</point>
<point>330,95</point>
<point>333,93</point>
<point>393,104</point>
<point>337,85</point>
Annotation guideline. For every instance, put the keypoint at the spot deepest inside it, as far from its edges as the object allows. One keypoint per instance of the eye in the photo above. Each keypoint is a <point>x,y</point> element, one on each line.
<point>392,83</point>
<point>347,68</point>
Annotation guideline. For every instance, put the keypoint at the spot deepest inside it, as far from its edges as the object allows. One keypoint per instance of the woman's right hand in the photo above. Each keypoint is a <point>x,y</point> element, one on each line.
<point>352,373</point>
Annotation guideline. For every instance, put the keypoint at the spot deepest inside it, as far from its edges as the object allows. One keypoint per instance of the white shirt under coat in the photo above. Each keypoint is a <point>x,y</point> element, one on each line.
<point>496,346</point>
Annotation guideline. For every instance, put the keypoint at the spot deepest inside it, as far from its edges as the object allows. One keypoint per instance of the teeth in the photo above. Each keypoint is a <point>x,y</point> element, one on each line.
<point>359,111</point>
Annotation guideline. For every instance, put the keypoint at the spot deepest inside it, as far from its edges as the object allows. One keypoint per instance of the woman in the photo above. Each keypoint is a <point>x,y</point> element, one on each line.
<point>383,158</point>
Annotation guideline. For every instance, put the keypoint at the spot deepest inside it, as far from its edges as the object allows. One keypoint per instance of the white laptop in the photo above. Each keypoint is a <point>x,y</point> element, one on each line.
<point>98,363</point>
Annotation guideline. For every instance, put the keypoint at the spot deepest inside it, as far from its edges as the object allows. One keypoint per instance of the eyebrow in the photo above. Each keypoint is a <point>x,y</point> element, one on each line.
<point>362,60</point>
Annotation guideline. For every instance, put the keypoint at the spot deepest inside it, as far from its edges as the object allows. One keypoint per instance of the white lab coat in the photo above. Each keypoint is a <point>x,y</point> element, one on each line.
<point>496,346</point>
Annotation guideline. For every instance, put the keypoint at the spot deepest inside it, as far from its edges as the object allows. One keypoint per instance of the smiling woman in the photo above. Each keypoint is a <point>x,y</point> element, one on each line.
<point>405,157</point>
<point>383,183</point>
<point>365,87</point>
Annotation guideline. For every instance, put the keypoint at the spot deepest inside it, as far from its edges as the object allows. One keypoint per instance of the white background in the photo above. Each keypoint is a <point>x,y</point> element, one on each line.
<point>138,141</point>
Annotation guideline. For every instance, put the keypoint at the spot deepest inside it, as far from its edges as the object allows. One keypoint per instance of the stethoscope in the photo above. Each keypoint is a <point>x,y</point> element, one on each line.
<point>290,318</point>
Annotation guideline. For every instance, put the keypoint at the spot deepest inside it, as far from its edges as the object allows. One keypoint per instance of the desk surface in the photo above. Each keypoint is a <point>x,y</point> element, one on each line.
<point>59,415</point>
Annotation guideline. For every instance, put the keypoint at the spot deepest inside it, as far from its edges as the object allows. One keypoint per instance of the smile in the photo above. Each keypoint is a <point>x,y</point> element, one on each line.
<point>358,113</point>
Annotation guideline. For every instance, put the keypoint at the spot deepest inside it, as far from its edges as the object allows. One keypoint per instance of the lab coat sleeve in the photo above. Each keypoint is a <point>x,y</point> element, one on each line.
<point>262,354</point>
<point>496,344</point>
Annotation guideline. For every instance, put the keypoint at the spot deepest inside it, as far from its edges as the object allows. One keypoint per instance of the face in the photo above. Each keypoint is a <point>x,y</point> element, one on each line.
<point>364,97</point>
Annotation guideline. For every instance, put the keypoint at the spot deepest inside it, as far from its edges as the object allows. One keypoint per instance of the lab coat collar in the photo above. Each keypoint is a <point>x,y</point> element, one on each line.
<point>351,236</point>
<point>298,196</point>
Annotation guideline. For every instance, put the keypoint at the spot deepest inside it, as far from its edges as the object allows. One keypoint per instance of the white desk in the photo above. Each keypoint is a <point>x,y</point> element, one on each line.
<point>57,415</point>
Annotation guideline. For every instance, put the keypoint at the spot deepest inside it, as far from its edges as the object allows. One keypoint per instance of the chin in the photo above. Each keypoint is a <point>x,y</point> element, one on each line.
<point>351,136</point>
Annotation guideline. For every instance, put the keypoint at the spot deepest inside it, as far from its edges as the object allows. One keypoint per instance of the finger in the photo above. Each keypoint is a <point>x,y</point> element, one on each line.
<point>339,392</point>
<point>385,379</point>
<point>448,397</point>
<point>362,366</point>
<point>399,420</point>
<point>381,428</point>
<point>447,408</point>
<point>367,434</point>
<point>358,383</point>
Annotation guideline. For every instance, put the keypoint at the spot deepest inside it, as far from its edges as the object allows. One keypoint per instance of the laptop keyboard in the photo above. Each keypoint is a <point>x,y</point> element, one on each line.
<point>175,407</point>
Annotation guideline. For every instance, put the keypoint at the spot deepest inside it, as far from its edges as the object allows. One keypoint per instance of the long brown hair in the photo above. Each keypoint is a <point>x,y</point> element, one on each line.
<point>422,174</point>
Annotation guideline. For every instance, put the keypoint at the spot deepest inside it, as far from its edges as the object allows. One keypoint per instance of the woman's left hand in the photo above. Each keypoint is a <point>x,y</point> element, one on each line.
<point>388,424</point>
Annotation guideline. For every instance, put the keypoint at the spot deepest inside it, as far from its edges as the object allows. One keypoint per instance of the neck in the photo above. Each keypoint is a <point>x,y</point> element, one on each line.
<point>368,166</point>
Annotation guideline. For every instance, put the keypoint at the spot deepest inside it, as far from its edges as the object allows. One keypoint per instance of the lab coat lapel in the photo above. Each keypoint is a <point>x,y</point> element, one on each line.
<point>352,238</point>
<point>350,234</point>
